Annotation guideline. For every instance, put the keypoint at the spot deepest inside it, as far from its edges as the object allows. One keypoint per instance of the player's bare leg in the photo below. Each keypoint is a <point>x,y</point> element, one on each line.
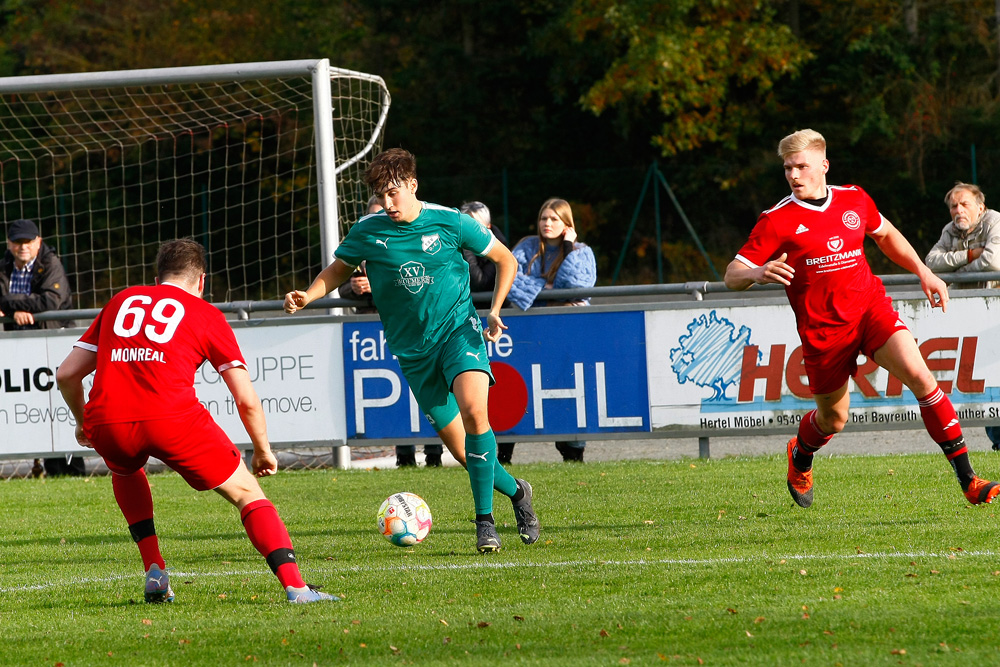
<point>901,357</point>
<point>453,437</point>
<point>268,534</point>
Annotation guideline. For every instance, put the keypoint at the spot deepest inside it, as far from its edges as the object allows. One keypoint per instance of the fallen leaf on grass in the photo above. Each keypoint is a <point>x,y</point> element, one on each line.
<point>146,621</point>
<point>482,624</point>
<point>748,633</point>
<point>898,651</point>
<point>731,610</point>
<point>442,621</point>
<point>604,633</point>
<point>518,618</point>
<point>759,620</point>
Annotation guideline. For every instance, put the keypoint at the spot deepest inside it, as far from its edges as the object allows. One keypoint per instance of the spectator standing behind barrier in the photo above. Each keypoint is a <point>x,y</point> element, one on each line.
<point>144,405</point>
<point>358,288</point>
<point>552,259</point>
<point>32,280</point>
<point>482,272</point>
<point>969,242</point>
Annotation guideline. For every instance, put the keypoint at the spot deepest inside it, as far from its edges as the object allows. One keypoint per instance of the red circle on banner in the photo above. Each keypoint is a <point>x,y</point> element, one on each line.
<point>508,400</point>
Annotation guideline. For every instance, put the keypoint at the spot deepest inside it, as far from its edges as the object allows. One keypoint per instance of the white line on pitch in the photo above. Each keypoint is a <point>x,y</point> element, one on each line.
<point>514,564</point>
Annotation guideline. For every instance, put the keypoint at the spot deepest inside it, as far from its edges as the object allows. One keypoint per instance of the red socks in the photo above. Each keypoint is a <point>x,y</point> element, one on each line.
<point>939,417</point>
<point>136,503</point>
<point>810,438</point>
<point>269,536</point>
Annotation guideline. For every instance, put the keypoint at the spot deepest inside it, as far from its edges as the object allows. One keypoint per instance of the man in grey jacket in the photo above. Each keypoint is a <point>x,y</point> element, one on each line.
<point>970,242</point>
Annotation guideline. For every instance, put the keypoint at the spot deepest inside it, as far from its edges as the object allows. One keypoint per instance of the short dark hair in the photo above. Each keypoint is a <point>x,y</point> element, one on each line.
<point>391,167</point>
<point>181,258</point>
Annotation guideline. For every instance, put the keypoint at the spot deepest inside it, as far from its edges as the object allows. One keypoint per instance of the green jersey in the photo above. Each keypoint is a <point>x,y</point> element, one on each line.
<point>418,277</point>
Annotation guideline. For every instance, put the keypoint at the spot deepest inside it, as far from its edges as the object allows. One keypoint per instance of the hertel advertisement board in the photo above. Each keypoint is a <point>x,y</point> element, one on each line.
<point>296,370</point>
<point>727,370</point>
<point>557,374</point>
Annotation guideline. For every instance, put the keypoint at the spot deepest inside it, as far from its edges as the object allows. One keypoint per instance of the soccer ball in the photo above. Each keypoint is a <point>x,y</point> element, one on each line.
<point>404,519</point>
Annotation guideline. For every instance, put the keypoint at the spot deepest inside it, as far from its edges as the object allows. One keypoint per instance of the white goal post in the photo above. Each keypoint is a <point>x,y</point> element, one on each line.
<point>261,162</point>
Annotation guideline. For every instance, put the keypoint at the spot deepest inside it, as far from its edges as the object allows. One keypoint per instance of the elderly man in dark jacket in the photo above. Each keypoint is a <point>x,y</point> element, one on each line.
<point>32,280</point>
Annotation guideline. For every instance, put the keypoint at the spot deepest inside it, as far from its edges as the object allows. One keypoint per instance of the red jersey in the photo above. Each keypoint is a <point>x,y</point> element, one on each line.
<point>833,285</point>
<point>149,343</point>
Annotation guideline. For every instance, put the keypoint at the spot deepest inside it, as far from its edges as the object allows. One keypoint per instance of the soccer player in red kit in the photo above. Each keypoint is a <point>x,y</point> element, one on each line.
<point>146,345</point>
<point>812,242</point>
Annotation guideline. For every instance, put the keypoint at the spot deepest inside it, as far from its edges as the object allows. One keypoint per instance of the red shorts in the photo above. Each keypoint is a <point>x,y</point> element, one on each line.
<point>830,355</point>
<point>191,444</point>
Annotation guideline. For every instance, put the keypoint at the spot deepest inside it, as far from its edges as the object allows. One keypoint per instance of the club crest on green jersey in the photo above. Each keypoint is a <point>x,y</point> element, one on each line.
<point>430,243</point>
<point>413,276</point>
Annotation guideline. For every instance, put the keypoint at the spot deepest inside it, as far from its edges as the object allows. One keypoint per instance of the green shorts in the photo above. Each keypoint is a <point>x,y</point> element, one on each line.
<point>430,377</point>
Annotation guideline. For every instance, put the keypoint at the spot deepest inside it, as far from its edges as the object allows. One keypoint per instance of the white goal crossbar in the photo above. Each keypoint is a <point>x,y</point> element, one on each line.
<point>262,162</point>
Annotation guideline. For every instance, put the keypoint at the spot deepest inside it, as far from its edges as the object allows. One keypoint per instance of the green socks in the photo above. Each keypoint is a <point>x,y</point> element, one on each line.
<point>485,472</point>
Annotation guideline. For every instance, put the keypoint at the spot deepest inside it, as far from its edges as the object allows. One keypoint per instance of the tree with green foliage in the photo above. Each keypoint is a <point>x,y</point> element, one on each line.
<point>708,68</point>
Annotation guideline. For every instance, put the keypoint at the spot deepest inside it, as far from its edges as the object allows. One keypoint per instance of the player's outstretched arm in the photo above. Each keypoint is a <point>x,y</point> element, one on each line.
<point>739,276</point>
<point>328,280</point>
<point>506,270</point>
<point>69,378</point>
<point>895,246</point>
<point>251,414</point>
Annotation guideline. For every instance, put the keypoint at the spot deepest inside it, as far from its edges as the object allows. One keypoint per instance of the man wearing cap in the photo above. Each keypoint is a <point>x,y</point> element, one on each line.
<point>32,280</point>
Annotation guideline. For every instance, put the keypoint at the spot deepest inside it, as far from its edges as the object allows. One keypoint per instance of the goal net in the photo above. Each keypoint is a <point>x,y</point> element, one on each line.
<point>260,162</point>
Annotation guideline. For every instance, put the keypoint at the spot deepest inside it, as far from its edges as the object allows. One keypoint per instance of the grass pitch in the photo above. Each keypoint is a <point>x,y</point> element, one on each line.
<point>669,562</point>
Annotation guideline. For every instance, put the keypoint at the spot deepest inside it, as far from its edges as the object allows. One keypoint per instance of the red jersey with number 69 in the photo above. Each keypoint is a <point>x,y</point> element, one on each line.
<point>149,342</point>
<point>833,285</point>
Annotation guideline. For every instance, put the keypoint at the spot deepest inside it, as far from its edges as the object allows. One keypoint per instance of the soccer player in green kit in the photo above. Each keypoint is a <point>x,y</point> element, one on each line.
<point>420,285</point>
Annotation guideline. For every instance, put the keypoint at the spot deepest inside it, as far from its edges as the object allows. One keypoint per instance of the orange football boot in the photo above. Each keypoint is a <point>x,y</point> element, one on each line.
<point>981,491</point>
<point>800,484</point>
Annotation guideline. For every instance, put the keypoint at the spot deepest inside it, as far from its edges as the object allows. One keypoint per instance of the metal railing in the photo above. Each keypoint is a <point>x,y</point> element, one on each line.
<point>695,290</point>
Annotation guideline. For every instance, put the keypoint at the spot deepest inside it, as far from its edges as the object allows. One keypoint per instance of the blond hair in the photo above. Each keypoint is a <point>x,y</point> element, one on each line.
<point>802,140</point>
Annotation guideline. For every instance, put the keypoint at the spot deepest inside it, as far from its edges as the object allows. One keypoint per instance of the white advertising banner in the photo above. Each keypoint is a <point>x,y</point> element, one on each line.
<point>296,369</point>
<point>725,370</point>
